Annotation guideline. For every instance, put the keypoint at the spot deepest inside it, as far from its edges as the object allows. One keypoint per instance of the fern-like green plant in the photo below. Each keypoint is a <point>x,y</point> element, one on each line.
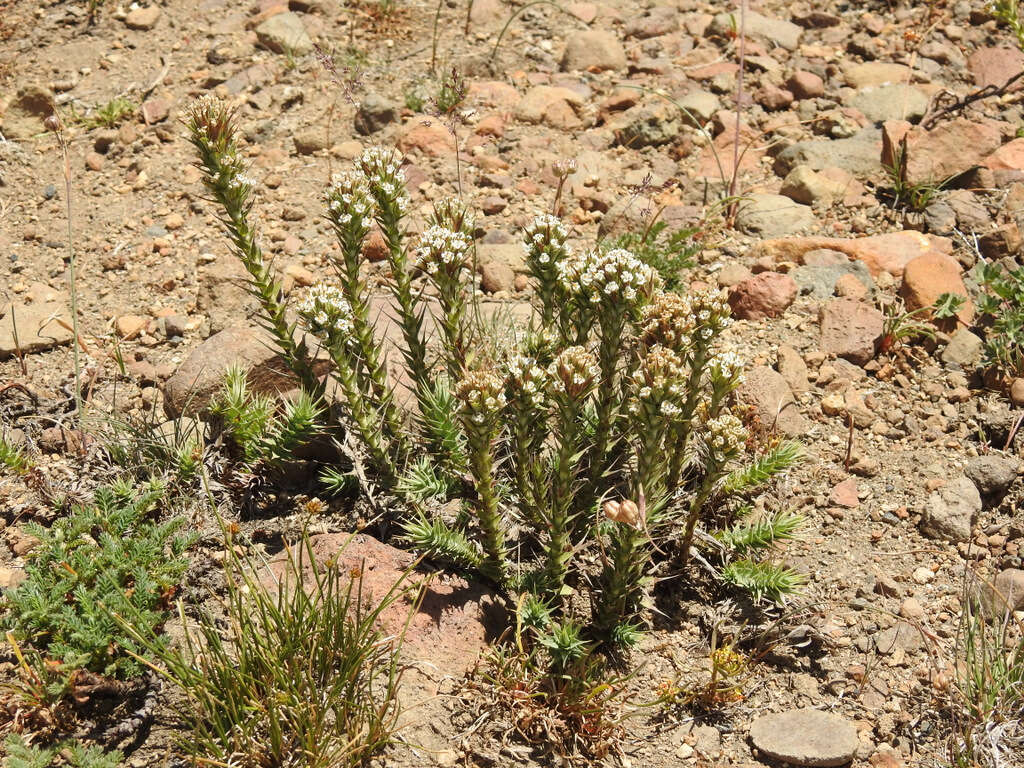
<point>21,754</point>
<point>764,468</point>
<point>761,534</point>
<point>764,580</point>
<point>105,556</point>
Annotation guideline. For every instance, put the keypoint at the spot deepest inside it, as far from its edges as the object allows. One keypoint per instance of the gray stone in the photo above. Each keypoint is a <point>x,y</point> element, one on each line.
<point>850,329</point>
<point>649,124</point>
<point>374,113</point>
<point>285,33</point>
<point>940,218</point>
<point>858,154</point>
<point>593,49</point>
<point>42,319</point>
<point>819,280</point>
<point>890,102</point>
<point>993,474</point>
<point>950,511</point>
<point>901,636</point>
<point>873,73</point>
<point>785,34</point>
<point>700,104</point>
<point>772,216</point>
<point>964,350</point>
<point>806,737</point>
<point>1005,593</point>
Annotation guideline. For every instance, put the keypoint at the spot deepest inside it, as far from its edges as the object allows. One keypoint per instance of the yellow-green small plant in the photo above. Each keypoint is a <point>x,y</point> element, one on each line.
<point>13,457</point>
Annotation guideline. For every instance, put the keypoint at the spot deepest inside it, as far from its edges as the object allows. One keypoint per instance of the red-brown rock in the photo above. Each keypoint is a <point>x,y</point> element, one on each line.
<point>452,623</point>
<point>1009,157</point>
<point>933,156</point>
<point>994,66</point>
<point>928,277</point>
<point>765,390</point>
<point>768,294</point>
<point>850,329</point>
<point>428,136</point>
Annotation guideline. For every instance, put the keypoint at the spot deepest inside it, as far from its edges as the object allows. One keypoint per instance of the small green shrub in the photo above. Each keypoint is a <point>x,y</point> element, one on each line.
<point>71,754</point>
<point>251,420</point>
<point>1001,311</point>
<point>13,457</point>
<point>667,252</point>
<point>102,557</point>
<point>606,427</point>
<point>296,675</point>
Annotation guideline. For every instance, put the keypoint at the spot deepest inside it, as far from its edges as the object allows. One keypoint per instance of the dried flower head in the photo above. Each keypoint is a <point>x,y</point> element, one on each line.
<point>327,314</point>
<point>574,372</point>
<point>616,276</point>
<point>482,396</point>
<point>666,321</point>
<point>659,384</point>
<point>726,435</point>
<point>451,213</point>
<point>210,119</point>
<point>626,512</point>
<point>442,252</point>
<point>564,168</point>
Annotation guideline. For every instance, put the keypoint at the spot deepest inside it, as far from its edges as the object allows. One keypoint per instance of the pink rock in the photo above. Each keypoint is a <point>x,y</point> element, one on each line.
<point>806,85</point>
<point>844,494</point>
<point>947,150</point>
<point>994,66</point>
<point>452,621</point>
<point>768,294</point>
<point>156,110</point>
<point>765,390</point>
<point>1009,157</point>
<point>429,137</point>
<point>880,253</point>
<point>928,277</point>
<point>850,329</point>
<point>850,287</point>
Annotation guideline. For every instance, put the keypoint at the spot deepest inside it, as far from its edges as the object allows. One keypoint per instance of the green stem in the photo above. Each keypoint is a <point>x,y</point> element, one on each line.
<point>681,436</point>
<point>481,465</point>
<point>559,551</point>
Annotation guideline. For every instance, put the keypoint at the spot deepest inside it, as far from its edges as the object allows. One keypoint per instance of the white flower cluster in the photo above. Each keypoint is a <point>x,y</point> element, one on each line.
<point>348,197</point>
<point>544,240</point>
<point>241,181</point>
<point>327,313</point>
<point>711,312</point>
<point>527,380</point>
<point>442,250</point>
<point>383,169</point>
<point>726,367</point>
<point>673,320</point>
<point>482,395</point>
<point>616,274</point>
<point>574,372</point>
<point>725,435</point>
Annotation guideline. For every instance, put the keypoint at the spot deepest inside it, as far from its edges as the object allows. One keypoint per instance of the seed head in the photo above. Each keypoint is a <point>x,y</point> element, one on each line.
<point>211,120</point>
<point>574,372</point>
<point>626,512</point>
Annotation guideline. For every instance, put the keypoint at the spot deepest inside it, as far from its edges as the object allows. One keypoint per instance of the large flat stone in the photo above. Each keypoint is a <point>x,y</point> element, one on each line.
<point>39,321</point>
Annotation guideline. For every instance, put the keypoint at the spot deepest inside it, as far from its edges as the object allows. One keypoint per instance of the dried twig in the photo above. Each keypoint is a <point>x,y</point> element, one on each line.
<point>959,105</point>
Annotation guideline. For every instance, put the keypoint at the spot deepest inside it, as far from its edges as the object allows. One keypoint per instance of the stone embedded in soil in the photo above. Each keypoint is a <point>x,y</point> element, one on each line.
<point>649,124</point>
<point>1004,593</point>
<point>766,391</point>
<point>844,494</point>
<point>285,33</point>
<point>142,18</point>
<point>453,622</point>
<point>927,277</point>
<point>899,637</point>
<point>950,511</point>
<point>198,379</point>
<point>964,350</point>
<point>772,216</point>
<point>850,329</point>
<point>806,737</point>
<point>806,85</point>
<point>890,102</point>
<point>311,140</point>
<point>24,116</point>
<point>1017,392</point>
<point>702,105</point>
<point>857,154</point>
<point>993,474</point>
<point>793,369</point>
<point>889,252</point>
<point>41,318</point>
<point>761,296</point>
<point>807,186</point>
<point>931,157</point>
<point>430,138</point>
<point>994,66</point>
<point>556,107</point>
<point>875,73</point>
<point>374,114</point>
<point>784,34</point>
<point>1009,157</point>
<point>496,276</point>
<point>593,50</point>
